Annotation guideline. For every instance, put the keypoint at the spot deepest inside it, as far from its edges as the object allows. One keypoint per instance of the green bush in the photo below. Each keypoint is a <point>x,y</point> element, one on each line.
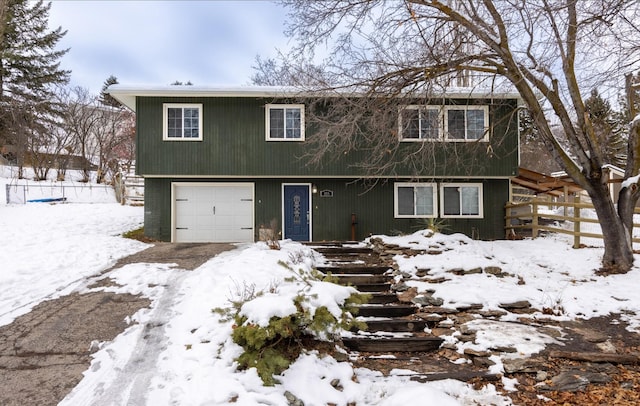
<point>271,348</point>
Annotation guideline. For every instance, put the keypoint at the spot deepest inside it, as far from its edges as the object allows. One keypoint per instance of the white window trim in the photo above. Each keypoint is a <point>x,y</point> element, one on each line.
<point>445,120</point>
<point>284,106</point>
<point>466,216</point>
<point>434,188</point>
<point>165,118</point>
<point>419,107</point>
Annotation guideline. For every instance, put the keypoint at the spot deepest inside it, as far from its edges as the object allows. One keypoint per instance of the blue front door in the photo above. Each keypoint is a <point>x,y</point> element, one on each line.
<point>297,217</point>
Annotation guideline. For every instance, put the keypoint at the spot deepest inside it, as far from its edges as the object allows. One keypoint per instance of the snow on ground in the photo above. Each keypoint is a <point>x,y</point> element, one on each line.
<point>188,357</point>
<point>49,250</point>
<point>546,271</point>
<point>179,352</point>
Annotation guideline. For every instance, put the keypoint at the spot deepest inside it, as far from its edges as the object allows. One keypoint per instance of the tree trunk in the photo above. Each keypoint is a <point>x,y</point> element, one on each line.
<point>628,196</point>
<point>618,251</point>
<point>626,359</point>
<point>627,200</point>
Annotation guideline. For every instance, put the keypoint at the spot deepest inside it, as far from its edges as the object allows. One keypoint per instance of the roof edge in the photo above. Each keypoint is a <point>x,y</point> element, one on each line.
<point>127,94</point>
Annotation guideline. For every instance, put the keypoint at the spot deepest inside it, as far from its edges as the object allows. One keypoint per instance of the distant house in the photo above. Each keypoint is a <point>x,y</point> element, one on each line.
<point>65,160</point>
<point>220,163</point>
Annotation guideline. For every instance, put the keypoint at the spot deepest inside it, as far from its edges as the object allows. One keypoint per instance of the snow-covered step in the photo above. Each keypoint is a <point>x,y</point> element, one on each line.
<point>391,325</point>
<point>386,310</point>
<point>359,279</point>
<point>354,269</point>
<point>397,325</point>
<point>343,250</point>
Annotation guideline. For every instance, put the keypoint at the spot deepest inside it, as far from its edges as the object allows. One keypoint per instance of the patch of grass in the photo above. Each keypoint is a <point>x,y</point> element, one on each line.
<point>138,234</point>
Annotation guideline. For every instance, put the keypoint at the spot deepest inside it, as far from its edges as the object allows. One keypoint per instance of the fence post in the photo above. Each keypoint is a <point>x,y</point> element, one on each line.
<point>576,221</point>
<point>566,199</point>
<point>534,219</point>
<point>507,224</point>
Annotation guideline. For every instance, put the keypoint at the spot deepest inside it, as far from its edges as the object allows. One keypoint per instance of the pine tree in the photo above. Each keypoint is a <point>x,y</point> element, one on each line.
<point>106,98</point>
<point>29,70</point>
<point>608,128</point>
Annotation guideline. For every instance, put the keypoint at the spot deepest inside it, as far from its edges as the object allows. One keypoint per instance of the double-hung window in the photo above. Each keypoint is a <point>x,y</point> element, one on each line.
<point>182,122</point>
<point>285,122</point>
<point>415,200</point>
<point>466,123</point>
<point>461,200</point>
<point>419,123</point>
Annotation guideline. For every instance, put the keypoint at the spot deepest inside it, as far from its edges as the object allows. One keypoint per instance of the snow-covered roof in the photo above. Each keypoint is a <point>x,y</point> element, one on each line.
<point>127,94</point>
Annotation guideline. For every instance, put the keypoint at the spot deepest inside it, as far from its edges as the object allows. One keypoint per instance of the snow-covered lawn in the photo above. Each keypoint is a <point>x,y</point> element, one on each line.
<point>177,352</point>
<point>48,250</point>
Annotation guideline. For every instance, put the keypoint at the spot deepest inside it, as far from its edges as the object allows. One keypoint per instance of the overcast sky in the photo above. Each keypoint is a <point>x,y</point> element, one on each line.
<point>209,42</point>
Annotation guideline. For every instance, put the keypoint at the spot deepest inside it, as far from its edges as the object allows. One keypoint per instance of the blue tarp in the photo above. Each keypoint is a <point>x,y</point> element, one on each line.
<point>47,200</point>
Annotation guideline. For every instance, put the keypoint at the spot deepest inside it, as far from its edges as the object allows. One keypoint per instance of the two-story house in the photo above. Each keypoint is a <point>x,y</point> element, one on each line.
<point>219,163</point>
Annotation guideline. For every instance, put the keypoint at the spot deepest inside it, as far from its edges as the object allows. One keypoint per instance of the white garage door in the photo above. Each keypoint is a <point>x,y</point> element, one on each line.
<point>213,212</point>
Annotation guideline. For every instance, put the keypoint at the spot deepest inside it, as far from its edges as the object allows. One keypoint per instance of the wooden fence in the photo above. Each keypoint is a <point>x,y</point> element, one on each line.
<point>526,216</point>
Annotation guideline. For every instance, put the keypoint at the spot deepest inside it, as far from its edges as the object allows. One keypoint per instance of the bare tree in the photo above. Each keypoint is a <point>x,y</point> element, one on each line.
<point>81,119</point>
<point>39,157</point>
<point>125,151</point>
<point>60,143</point>
<point>112,137</point>
<point>100,133</point>
<point>552,52</point>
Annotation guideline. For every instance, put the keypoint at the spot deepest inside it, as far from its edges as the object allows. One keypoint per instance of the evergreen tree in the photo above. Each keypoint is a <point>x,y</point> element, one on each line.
<point>106,98</point>
<point>608,128</point>
<point>29,70</point>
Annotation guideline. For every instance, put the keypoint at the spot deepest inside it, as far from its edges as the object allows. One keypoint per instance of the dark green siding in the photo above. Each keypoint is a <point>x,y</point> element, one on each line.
<point>372,205</point>
<point>234,145</point>
<point>157,209</point>
<point>374,211</point>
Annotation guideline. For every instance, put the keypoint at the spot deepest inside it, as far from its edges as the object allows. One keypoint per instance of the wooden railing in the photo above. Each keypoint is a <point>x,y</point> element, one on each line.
<point>526,216</point>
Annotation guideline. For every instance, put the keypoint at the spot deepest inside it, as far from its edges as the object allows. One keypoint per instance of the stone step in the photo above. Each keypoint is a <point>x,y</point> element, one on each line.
<point>393,344</point>
<point>350,259</point>
<point>398,325</point>
<point>464,376</point>
<point>386,310</point>
<point>354,269</point>
<point>341,244</point>
<point>383,298</point>
<point>341,250</point>
<point>360,279</point>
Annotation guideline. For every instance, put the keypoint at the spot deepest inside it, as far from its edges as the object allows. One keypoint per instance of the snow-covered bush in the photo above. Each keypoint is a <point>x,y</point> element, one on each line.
<point>272,326</point>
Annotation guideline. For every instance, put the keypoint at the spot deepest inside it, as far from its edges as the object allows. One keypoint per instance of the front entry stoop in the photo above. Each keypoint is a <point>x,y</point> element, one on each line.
<point>391,326</point>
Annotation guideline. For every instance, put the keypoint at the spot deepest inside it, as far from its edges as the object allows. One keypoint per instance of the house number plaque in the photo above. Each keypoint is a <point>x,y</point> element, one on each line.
<point>326,193</point>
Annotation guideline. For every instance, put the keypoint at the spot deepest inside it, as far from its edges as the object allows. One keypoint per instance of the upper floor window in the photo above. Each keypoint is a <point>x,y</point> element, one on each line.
<point>415,200</point>
<point>182,122</point>
<point>466,123</point>
<point>420,123</point>
<point>285,122</point>
<point>461,200</point>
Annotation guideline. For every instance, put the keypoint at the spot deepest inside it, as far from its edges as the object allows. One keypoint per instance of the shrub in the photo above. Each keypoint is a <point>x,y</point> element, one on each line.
<point>272,347</point>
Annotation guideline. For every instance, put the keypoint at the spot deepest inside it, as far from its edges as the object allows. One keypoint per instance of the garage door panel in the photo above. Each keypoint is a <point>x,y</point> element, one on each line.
<point>213,213</point>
